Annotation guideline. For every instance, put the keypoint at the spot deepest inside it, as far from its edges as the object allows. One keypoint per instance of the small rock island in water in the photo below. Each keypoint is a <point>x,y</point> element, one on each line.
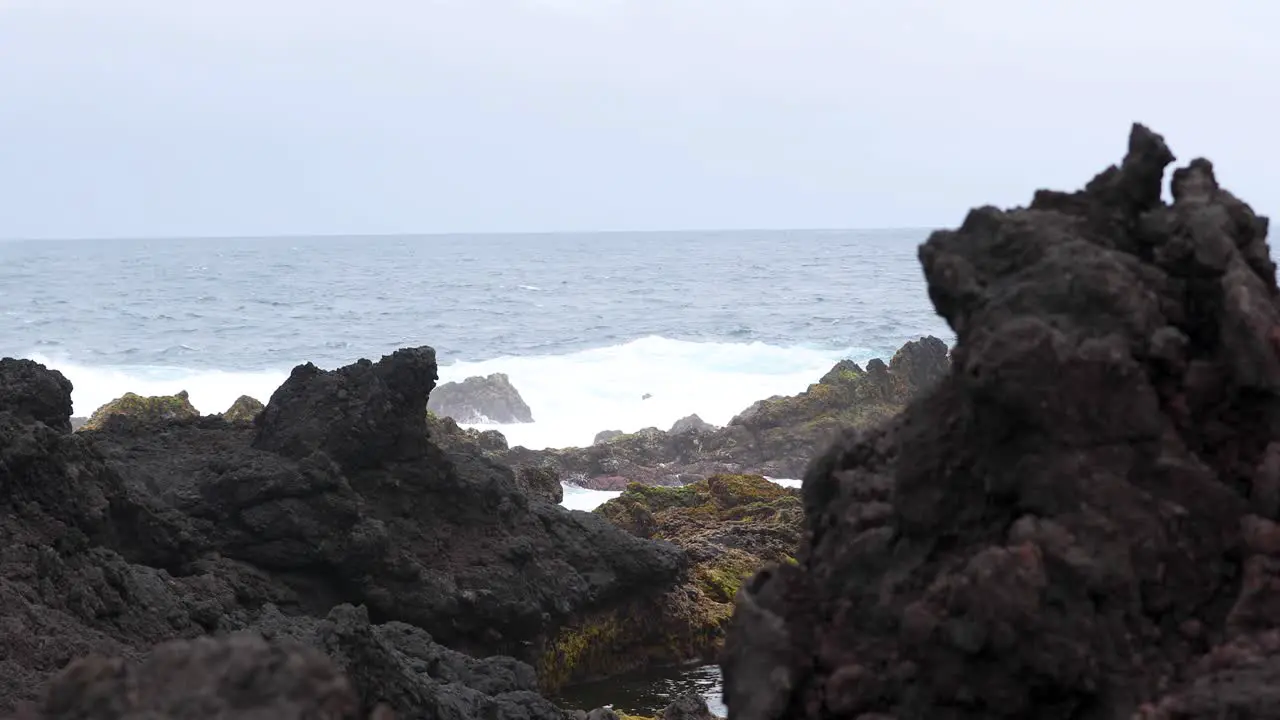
<point>1072,517</point>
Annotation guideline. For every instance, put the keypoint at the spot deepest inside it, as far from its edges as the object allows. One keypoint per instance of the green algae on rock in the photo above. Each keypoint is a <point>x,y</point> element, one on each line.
<point>244,409</point>
<point>155,408</point>
<point>729,526</point>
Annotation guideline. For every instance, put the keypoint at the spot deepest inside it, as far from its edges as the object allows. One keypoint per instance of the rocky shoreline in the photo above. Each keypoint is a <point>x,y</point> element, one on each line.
<point>1074,515</point>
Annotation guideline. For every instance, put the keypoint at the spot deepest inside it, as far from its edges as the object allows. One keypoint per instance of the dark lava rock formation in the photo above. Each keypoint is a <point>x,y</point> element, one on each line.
<point>333,521</point>
<point>776,437</point>
<point>491,399</point>
<point>1079,521</point>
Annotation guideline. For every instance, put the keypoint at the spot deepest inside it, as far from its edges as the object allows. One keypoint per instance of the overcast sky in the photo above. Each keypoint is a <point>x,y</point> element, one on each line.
<point>250,117</point>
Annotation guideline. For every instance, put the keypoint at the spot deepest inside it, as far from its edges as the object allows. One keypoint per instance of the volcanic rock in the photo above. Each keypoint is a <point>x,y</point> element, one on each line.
<point>540,483</point>
<point>1077,514</point>
<point>333,508</point>
<point>491,399</point>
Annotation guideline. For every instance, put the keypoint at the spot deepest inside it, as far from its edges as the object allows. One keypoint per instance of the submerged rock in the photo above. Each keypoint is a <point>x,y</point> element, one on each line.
<point>244,409</point>
<point>335,507</point>
<point>776,437</point>
<point>491,399</point>
<point>153,409</point>
<point>1083,508</point>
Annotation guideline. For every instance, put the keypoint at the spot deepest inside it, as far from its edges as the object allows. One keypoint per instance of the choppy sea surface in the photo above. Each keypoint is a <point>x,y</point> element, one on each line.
<point>585,325</point>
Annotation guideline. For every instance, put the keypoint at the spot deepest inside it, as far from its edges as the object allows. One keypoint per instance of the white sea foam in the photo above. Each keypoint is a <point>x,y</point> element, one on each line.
<point>573,396</point>
<point>210,391</point>
<point>579,498</point>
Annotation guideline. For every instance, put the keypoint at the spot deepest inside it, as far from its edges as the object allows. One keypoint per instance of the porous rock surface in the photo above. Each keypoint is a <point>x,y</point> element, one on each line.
<point>333,521</point>
<point>1079,521</point>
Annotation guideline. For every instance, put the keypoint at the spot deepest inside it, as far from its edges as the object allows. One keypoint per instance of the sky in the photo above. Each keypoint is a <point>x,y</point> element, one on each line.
<point>156,118</point>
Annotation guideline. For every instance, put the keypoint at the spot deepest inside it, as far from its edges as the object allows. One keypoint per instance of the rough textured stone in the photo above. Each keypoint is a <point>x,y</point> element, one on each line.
<point>1062,527</point>
<point>336,506</point>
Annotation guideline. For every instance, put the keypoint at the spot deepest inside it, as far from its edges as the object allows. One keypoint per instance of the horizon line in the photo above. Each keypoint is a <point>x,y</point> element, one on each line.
<point>445,234</point>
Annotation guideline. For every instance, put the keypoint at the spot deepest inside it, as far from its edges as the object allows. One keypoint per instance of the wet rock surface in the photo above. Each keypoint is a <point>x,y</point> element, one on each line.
<point>1078,520</point>
<point>776,437</point>
<point>333,521</point>
<point>490,399</point>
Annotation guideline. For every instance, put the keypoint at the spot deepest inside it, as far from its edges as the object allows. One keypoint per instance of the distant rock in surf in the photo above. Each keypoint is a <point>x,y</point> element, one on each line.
<point>491,399</point>
<point>605,436</point>
<point>151,409</point>
<point>244,409</point>
<point>775,437</point>
<point>690,424</point>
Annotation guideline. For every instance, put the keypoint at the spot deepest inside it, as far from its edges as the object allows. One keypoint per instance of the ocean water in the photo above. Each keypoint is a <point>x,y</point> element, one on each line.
<point>585,325</point>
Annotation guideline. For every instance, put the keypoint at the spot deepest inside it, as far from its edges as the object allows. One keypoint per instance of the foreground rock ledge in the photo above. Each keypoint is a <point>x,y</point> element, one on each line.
<point>335,520</point>
<point>1078,521</point>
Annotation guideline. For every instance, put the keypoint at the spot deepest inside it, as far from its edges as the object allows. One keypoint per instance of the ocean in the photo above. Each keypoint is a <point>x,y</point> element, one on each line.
<point>585,325</point>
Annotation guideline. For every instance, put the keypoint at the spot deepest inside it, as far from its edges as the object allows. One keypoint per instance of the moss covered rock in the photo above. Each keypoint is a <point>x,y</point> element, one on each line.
<point>156,408</point>
<point>729,527</point>
<point>244,409</point>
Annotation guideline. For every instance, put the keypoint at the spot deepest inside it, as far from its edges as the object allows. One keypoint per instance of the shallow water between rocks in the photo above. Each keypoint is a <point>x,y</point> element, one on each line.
<point>647,692</point>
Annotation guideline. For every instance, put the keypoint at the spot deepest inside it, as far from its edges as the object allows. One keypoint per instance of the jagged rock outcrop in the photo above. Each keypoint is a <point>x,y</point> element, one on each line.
<point>491,399</point>
<point>147,531</point>
<point>153,409</point>
<point>244,409</point>
<point>776,437</point>
<point>730,526</point>
<point>1079,520</point>
<point>605,436</point>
